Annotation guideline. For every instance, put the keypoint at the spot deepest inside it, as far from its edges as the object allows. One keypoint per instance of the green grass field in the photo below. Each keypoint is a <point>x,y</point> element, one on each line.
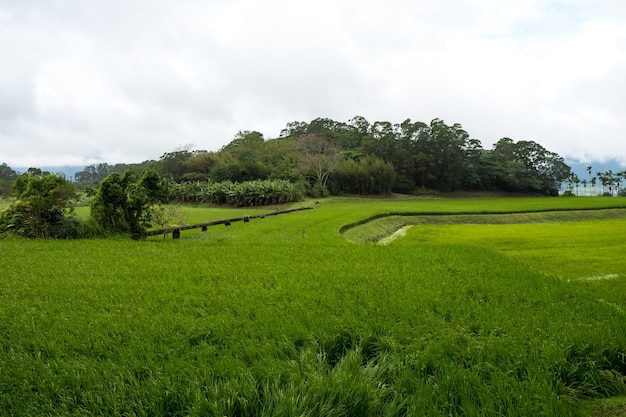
<point>285,316</point>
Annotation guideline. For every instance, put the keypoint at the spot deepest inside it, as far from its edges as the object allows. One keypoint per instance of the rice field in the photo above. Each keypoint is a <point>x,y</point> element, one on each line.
<point>285,316</point>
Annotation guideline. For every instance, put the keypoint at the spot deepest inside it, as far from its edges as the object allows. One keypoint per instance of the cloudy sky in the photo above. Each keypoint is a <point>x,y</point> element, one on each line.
<point>114,81</point>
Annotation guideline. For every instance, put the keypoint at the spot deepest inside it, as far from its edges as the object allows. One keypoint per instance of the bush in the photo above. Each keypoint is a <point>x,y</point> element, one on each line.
<point>317,191</point>
<point>122,203</point>
<point>40,209</point>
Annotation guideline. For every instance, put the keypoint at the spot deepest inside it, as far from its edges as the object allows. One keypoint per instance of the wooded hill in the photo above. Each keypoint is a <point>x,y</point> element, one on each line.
<point>359,157</point>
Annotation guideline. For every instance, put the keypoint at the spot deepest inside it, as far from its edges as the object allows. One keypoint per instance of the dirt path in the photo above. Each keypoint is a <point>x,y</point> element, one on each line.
<point>398,233</point>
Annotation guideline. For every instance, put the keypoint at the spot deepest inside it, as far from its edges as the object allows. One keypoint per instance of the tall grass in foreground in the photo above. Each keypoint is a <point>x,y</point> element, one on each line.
<point>282,316</point>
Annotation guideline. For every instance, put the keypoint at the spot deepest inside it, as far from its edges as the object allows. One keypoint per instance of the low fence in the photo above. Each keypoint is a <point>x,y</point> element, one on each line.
<point>175,231</point>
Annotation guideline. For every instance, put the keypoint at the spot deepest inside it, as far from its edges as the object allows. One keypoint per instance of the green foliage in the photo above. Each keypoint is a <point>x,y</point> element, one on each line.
<point>7,173</point>
<point>92,175</point>
<point>318,158</point>
<point>7,177</point>
<point>167,214</point>
<point>527,166</point>
<point>369,175</point>
<point>173,164</point>
<point>244,194</point>
<point>122,202</point>
<point>5,188</point>
<point>427,156</point>
<point>40,209</point>
<point>283,316</point>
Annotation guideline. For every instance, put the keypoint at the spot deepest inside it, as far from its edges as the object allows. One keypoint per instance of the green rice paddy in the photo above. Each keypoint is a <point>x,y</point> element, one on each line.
<point>285,316</point>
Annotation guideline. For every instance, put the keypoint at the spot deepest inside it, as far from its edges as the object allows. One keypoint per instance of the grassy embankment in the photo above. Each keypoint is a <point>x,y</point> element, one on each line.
<point>284,316</point>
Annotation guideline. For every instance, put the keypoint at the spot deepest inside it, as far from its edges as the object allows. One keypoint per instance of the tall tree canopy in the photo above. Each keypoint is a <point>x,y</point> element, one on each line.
<point>528,166</point>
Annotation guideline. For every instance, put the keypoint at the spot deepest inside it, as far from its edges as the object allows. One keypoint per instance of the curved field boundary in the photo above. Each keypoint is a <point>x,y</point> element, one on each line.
<point>380,227</point>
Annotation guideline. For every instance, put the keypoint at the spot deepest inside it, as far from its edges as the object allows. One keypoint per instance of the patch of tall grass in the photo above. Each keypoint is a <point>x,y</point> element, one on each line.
<point>4,203</point>
<point>283,316</point>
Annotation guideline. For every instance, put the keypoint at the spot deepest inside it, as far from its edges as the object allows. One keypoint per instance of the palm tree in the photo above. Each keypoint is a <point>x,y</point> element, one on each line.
<point>593,184</point>
<point>602,179</point>
<point>570,181</point>
<point>610,180</point>
<point>622,177</point>
<point>577,182</point>
<point>584,183</point>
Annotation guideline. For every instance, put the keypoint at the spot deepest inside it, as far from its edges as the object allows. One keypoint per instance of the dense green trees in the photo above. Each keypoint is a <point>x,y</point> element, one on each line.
<point>338,157</point>
<point>527,166</point>
<point>43,205</point>
<point>369,175</point>
<point>344,157</point>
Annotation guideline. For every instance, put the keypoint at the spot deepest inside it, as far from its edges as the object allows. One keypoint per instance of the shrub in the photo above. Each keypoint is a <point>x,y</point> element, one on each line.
<point>239,194</point>
<point>122,203</point>
<point>40,209</point>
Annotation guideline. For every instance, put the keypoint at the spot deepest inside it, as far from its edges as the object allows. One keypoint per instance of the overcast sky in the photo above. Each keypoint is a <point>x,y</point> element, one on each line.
<point>83,82</point>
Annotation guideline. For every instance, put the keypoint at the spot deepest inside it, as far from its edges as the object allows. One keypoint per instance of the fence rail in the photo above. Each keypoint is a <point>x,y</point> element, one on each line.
<point>175,231</point>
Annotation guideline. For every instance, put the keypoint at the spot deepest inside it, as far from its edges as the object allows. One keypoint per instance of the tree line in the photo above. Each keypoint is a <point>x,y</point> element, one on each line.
<point>356,157</point>
<point>359,157</point>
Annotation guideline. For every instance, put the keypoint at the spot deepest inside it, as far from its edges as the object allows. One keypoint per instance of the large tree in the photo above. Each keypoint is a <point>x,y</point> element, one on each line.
<point>528,166</point>
<point>442,149</point>
<point>318,159</point>
<point>247,149</point>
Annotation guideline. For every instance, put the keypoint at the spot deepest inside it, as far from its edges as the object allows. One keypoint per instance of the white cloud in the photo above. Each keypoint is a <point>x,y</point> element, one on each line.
<point>127,81</point>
